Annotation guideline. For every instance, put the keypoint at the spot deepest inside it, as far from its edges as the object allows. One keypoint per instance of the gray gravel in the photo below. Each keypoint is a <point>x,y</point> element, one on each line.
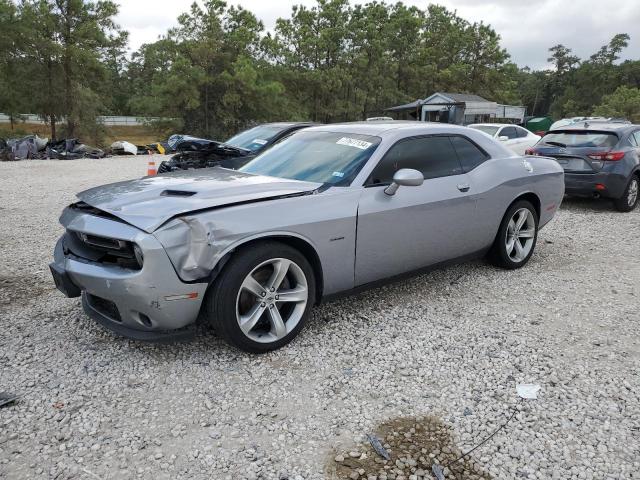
<point>451,345</point>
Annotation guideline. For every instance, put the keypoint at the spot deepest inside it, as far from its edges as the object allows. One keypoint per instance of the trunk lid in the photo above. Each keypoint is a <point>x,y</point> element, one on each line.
<point>574,148</point>
<point>149,202</point>
<point>574,159</point>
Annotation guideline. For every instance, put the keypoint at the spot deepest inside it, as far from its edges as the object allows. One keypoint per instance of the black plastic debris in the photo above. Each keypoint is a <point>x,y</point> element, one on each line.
<point>6,155</point>
<point>438,471</point>
<point>158,147</point>
<point>34,147</point>
<point>377,446</point>
<point>143,150</point>
<point>6,398</point>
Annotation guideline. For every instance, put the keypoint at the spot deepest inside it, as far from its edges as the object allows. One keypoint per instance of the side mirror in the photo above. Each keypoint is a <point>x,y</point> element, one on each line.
<point>407,177</point>
<point>503,138</point>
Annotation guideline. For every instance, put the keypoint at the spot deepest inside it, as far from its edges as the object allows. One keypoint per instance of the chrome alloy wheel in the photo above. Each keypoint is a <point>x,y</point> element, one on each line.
<point>521,233</point>
<point>632,194</point>
<point>272,300</point>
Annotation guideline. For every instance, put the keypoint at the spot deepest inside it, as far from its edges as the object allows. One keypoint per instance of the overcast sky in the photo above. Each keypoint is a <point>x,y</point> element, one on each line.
<point>527,27</point>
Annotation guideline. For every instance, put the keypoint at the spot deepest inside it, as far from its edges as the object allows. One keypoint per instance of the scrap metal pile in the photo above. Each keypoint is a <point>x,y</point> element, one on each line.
<point>122,147</point>
<point>37,148</point>
<point>34,147</point>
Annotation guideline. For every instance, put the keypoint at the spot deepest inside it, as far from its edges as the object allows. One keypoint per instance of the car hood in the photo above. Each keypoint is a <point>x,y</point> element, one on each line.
<point>149,202</point>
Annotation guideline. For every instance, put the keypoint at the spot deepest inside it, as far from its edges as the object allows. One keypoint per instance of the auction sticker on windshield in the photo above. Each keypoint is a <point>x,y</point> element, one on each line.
<point>354,142</point>
<point>259,141</point>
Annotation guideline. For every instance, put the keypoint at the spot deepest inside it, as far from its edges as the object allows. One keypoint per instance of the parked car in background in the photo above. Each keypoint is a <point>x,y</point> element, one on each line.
<point>515,138</point>
<point>599,160</point>
<point>233,153</point>
<point>573,120</point>
<point>328,210</point>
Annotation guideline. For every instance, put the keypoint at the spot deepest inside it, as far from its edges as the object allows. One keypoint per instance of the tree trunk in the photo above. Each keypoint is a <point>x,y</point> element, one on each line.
<point>52,119</point>
<point>67,93</point>
<point>206,109</point>
<point>66,68</point>
<point>535,102</point>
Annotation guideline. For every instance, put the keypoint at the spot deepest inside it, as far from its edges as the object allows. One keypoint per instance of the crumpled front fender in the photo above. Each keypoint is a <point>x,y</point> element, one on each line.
<point>190,246</point>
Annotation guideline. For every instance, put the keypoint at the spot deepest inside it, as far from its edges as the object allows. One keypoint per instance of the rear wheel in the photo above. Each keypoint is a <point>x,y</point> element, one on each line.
<point>262,298</point>
<point>629,199</point>
<point>516,237</point>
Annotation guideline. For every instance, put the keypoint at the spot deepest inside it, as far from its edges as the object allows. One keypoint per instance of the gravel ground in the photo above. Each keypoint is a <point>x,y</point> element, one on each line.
<point>429,364</point>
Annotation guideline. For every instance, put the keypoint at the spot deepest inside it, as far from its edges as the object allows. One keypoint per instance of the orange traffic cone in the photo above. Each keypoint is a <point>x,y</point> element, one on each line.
<point>151,169</point>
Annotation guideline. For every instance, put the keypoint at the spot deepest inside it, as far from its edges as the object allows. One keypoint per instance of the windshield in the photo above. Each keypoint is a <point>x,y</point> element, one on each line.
<point>323,157</point>
<point>488,129</point>
<point>577,138</point>
<point>255,138</point>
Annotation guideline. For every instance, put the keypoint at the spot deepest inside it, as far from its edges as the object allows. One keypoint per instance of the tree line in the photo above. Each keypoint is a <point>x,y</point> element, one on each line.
<point>219,70</point>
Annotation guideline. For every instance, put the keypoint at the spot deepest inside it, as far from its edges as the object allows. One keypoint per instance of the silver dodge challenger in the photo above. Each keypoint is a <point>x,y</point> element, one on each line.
<point>330,210</point>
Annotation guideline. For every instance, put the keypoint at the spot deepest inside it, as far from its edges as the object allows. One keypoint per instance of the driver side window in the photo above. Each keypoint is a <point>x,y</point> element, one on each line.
<point>433,156</point>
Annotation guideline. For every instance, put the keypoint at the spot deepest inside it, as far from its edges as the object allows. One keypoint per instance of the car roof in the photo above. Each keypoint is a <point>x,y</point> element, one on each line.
<point>382,129</point>
<point>493,125</point>
<point>601,126</point>
<point>285,125</point>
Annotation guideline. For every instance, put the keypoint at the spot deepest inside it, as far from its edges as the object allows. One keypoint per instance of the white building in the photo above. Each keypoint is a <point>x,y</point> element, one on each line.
<point>461,109</point>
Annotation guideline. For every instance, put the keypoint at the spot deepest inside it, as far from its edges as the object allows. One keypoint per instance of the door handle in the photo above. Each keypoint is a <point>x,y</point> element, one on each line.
<point>464,187</point>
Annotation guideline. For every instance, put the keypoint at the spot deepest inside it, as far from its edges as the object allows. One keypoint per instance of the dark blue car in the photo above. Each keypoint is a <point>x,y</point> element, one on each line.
<point>599,160</point>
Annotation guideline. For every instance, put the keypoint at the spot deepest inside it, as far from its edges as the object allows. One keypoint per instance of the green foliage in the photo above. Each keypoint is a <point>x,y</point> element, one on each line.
<point>59,61</point>
<point>624,102</point>
<point>219,71</point>
<point>574,87</point>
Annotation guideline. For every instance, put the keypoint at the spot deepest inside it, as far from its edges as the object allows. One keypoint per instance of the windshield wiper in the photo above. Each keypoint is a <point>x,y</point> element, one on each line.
<point>556,144</point>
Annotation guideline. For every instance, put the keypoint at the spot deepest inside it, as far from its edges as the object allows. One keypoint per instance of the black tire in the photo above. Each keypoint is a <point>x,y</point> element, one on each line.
<point>499,254</point>
<point>622,204</point>
<point>221,301</point>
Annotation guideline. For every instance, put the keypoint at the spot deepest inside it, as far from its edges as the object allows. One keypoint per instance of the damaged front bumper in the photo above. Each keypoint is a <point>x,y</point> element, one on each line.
<point>150,303</point>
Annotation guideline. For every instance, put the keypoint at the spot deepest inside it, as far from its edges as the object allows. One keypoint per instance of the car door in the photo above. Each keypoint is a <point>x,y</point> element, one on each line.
<point>526,139</point>
<point>417,226</point>
<point>484,222</point>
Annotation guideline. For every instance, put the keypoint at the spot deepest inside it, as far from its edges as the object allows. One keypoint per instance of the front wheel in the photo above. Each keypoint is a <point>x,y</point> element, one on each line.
<point>262,298</point>
<point>516,238</point>
<point>629,199</point>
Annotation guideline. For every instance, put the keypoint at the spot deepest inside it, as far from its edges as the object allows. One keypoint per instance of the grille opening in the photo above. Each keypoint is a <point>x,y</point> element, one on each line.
<point>105,307</point>
<point>101,249</point>
<point>110,243</point>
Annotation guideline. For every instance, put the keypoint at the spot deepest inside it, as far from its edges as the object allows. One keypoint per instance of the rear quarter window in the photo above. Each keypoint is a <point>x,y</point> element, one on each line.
<point>469,154</point>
